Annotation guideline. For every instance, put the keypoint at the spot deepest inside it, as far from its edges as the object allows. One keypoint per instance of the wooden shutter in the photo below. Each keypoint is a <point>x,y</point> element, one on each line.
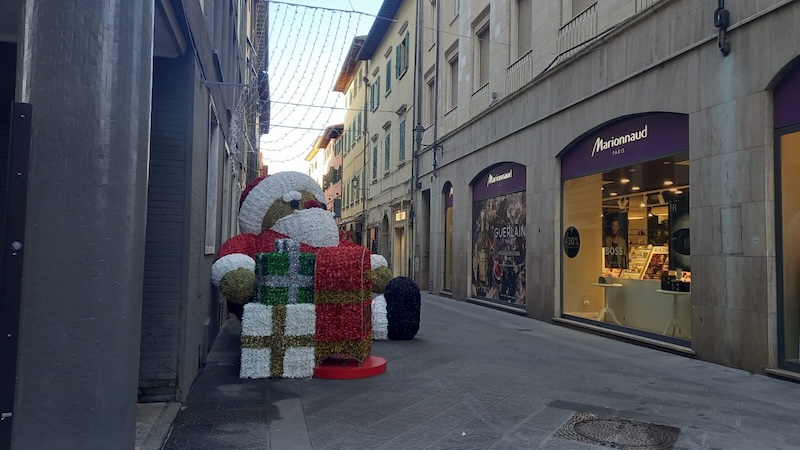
<point>524,24</point>
<point>398,62</point>
<point>579,6</point>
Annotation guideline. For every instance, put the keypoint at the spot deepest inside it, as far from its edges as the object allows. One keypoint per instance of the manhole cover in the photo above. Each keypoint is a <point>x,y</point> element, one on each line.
<point>617,432</point>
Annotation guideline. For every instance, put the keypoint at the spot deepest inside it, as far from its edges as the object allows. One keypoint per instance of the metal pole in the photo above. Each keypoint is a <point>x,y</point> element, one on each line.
<point>418,131</point>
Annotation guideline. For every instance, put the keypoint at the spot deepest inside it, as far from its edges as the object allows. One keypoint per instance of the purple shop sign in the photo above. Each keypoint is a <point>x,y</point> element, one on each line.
<point>787,99</point>
<point>625,142</point>
<point>505,178</point>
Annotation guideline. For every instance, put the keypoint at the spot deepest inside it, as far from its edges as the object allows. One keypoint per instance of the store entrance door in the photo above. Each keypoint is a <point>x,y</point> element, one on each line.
<point>399,252</point>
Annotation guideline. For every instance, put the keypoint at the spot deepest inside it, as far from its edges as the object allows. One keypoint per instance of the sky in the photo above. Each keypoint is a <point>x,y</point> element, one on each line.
<point>306,50</point>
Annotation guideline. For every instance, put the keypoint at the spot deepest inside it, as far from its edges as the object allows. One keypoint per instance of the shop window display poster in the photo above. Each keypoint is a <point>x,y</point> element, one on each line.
<point>615,240</point>
<point>498,253</point>
<point>679,242</point>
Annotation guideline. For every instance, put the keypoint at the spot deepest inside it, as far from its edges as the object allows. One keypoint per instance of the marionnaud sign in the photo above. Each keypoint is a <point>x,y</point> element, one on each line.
<point>614,142</point>
<point>505,178</point>
<point>492,179</point>
<point>625,142</point>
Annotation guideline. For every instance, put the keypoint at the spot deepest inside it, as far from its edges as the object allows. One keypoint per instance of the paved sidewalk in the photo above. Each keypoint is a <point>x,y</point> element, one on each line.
<point>477,378</point>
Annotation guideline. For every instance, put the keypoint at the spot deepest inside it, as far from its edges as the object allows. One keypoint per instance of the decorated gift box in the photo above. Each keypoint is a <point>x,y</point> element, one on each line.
<point>278,329</point>
<point>342,289</point>
<point>285,276</point>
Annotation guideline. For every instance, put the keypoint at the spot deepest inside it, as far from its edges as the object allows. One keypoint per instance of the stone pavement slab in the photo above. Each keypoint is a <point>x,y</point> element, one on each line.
<point>478,378</point>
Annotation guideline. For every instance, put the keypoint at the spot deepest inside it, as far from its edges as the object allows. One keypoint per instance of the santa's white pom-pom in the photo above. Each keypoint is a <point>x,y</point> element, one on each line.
<point>292,195</point>
<point>229,263</point>
<point>378,261</point>
<point>380,323</point>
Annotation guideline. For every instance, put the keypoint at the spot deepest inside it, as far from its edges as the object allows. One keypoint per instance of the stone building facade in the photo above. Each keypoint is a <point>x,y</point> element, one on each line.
<point>564,134</point>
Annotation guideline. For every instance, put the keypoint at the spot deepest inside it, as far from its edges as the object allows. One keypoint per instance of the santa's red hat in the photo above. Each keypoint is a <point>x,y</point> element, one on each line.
<point>261,193</point>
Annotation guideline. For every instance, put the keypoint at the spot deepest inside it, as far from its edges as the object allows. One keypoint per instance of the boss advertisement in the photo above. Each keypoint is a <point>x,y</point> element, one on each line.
<point>498,254</point>
<point>615,240</point>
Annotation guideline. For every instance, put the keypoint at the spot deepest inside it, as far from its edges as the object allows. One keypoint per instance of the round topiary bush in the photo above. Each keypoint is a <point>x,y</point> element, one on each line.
<point>403,303</point>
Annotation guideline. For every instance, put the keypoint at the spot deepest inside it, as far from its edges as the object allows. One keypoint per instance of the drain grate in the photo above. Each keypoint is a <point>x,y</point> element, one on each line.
<point>616,432</point>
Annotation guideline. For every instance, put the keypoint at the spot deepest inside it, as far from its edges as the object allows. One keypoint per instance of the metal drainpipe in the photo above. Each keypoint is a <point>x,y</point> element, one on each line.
<point>418,149</point>
<point>435,116</point>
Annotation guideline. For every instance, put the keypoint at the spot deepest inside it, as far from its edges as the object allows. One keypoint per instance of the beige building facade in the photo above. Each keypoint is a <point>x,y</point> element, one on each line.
<point>350,83</point>
<point>573,147</point>
<point>388,52</point>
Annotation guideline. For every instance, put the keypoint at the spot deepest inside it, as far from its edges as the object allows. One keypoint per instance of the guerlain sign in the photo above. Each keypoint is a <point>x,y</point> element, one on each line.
<point>626,141</point>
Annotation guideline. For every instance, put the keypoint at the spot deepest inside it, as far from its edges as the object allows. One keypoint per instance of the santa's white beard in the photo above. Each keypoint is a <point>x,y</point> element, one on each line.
<point>314,226</point>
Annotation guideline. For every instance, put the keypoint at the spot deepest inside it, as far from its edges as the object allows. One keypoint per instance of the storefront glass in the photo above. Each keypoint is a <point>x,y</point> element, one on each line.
<point>787,124</point>
<point>626,261</point>
<point>498,235</point>
<point>790,249</point>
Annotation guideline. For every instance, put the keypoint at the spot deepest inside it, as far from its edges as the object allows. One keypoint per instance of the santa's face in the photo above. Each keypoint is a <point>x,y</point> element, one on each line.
<point>314,226</point>
<point>301,217</point>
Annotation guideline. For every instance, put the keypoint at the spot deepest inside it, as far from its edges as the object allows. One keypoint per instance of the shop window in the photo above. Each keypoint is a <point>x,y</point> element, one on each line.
<point>790,252</point>
<point>498,235</point>
<point>448,236</point>
<point>632,229</point>
<point>626,260</point>
<point>787,160</point>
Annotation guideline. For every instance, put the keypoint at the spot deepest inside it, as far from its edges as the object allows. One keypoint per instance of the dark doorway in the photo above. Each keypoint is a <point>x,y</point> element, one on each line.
<point>13,250</point>
<point>12,197</point>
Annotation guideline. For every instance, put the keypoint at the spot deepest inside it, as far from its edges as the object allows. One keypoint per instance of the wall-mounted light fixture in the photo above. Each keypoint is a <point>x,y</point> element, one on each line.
<point>722,20</point>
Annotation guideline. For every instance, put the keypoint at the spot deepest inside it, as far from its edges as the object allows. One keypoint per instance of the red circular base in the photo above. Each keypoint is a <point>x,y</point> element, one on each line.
<point>335,368</point>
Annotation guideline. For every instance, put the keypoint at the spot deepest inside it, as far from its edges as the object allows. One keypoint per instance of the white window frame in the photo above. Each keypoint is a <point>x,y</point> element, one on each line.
<point>481,24</point>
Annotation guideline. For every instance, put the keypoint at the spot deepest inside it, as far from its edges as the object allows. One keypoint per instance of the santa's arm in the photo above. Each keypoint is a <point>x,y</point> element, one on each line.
<point>234,271</point>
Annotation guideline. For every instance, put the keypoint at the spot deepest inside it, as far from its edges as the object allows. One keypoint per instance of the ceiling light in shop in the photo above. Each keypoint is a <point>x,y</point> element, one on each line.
<point>668,183</point>
<point>625,180</point>
<point>635,217</point>
<point>666,163</point>
<point>612,194</point>
<point>642,205</point>
<point>679,192</point>
<point>673,189</point>
<point>650,215</point>
<point>635,188</point>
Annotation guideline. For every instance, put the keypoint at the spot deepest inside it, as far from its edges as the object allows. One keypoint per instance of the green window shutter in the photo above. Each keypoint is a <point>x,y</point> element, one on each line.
<point>406,56</point>
<point>398,62</point>
<point>388,77</point>
<point>378,90</point>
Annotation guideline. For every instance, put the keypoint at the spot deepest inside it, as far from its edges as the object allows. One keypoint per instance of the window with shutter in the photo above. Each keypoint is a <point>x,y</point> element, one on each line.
<point>524,23</point>
<point>375,162</point>
<point>405,52</point>
<point>378,92</point>
<point>401,141</point>
<point>483,55</point>
<point>397,60</point>
<point>579,6</point>
<point>388,76</point>
<point>387,145</point>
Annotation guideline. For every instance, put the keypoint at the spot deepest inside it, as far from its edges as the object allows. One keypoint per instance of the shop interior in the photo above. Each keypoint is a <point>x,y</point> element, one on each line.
<point>633,268</point>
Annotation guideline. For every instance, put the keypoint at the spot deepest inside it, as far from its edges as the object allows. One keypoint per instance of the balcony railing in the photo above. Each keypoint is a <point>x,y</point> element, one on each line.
<point>520,73</point>
<point>579,29</point>
<point>479,101</point>
<point>641,5</point>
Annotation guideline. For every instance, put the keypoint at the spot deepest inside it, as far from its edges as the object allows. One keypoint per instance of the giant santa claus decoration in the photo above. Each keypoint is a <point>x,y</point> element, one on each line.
<point>301,293</point>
